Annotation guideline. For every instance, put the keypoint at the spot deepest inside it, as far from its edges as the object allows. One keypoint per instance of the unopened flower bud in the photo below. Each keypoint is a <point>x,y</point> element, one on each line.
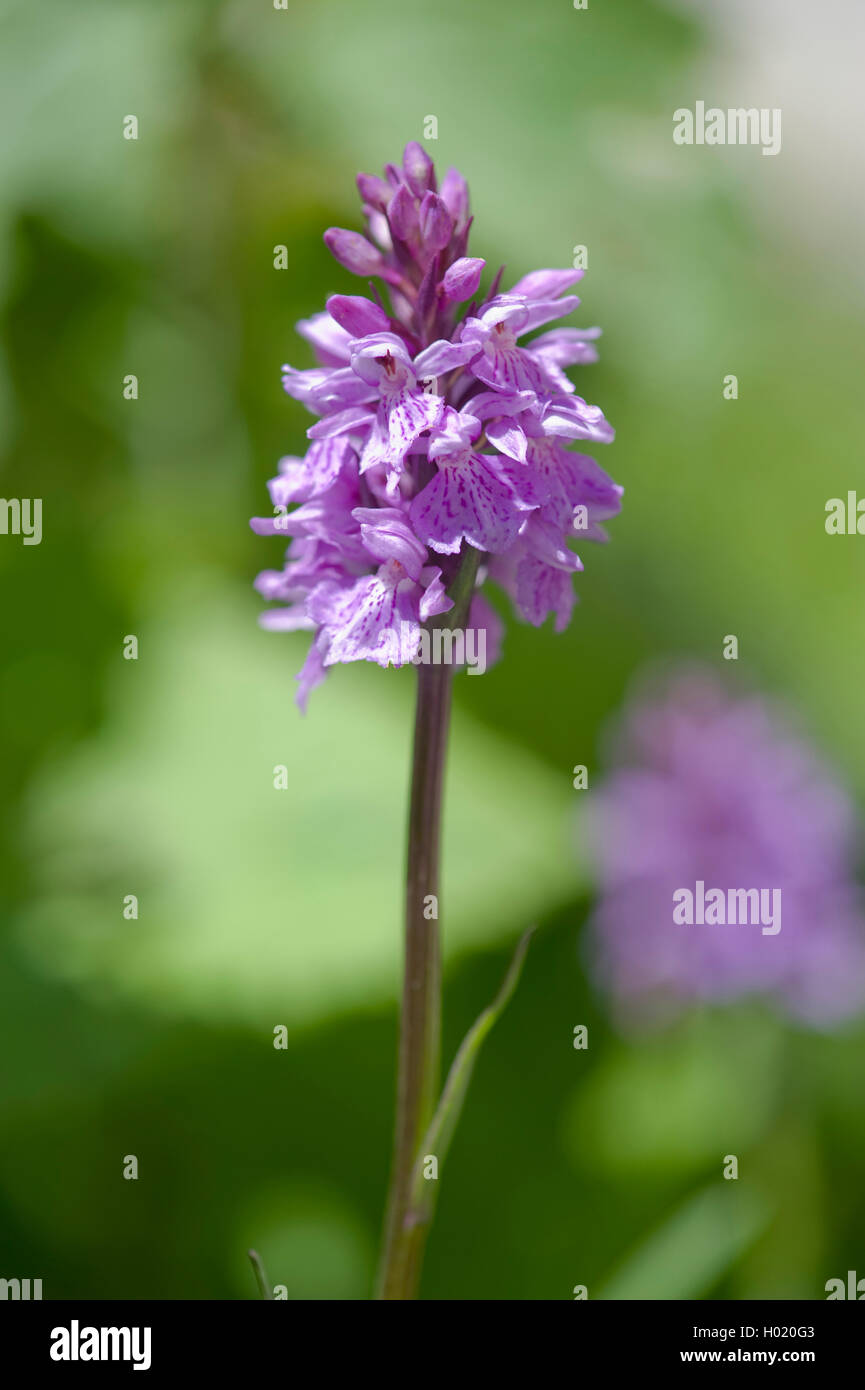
<point>357,315</point>
<point>402,214</point>
<point>436,223</point>
<point>418,168</point>
<point>461,279</point>
<point>455,194</point>
<point>353,251</point>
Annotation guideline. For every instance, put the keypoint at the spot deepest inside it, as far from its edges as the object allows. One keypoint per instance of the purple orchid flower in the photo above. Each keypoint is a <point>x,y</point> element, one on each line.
<point>448,414</point>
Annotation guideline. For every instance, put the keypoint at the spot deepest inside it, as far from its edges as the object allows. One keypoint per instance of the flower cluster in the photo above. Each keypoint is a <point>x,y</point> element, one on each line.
<point>716,789</point>
<point>439,434</point>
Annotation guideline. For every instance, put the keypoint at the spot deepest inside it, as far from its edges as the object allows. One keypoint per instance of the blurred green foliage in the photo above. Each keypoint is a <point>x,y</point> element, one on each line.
<point>154,1036</point>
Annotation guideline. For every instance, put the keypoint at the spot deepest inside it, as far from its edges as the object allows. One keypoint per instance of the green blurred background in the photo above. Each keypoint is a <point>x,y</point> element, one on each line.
<point>259,907</point>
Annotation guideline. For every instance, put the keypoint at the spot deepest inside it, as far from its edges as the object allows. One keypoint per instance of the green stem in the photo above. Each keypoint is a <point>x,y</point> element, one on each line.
<point>420,1020</point>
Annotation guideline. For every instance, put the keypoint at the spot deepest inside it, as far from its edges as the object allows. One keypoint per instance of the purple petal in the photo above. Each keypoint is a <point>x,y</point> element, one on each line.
<point>508,368</point>
<point>300,479</point>
<point>363,622</point>
<point>329,340</point>
<point>301,385</point>
<point>467,501</point>
<point>344,422</point>
<point>339,390</point>
<point>387,535</point>
<point>434,599</point>
<point>411,412</point>
<point>543,539</point>
<point>442,356</point>
<point>455,433</point>
<point>546,284</point>
<point>542,590</point>
<point>544,311</point>
<point>509,438</point>
<point>311,675</point>
<point>564,347</point>
<point>382,359</point>
<point>507,309</point>
<point>572,418</point>
<point>284,620</point>
<point>455,195</point>
<point>490,405</point>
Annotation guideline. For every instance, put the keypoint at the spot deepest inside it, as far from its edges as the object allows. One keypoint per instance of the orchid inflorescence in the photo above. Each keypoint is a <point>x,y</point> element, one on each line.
<point>439,435</point>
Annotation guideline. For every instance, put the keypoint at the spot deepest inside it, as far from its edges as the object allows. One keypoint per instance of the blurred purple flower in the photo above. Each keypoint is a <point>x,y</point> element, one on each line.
<point>432,411</point>
<point>718,789</point>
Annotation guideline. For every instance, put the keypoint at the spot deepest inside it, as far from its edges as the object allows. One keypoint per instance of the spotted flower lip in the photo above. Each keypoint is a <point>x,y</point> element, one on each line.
<point>444,423</point>
<point>473,497</point>
<point>365,616</point>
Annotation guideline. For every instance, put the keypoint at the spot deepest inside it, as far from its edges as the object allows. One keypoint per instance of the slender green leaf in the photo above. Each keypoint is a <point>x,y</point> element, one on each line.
<point>437,1139</point>
<point>260,1274</point>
